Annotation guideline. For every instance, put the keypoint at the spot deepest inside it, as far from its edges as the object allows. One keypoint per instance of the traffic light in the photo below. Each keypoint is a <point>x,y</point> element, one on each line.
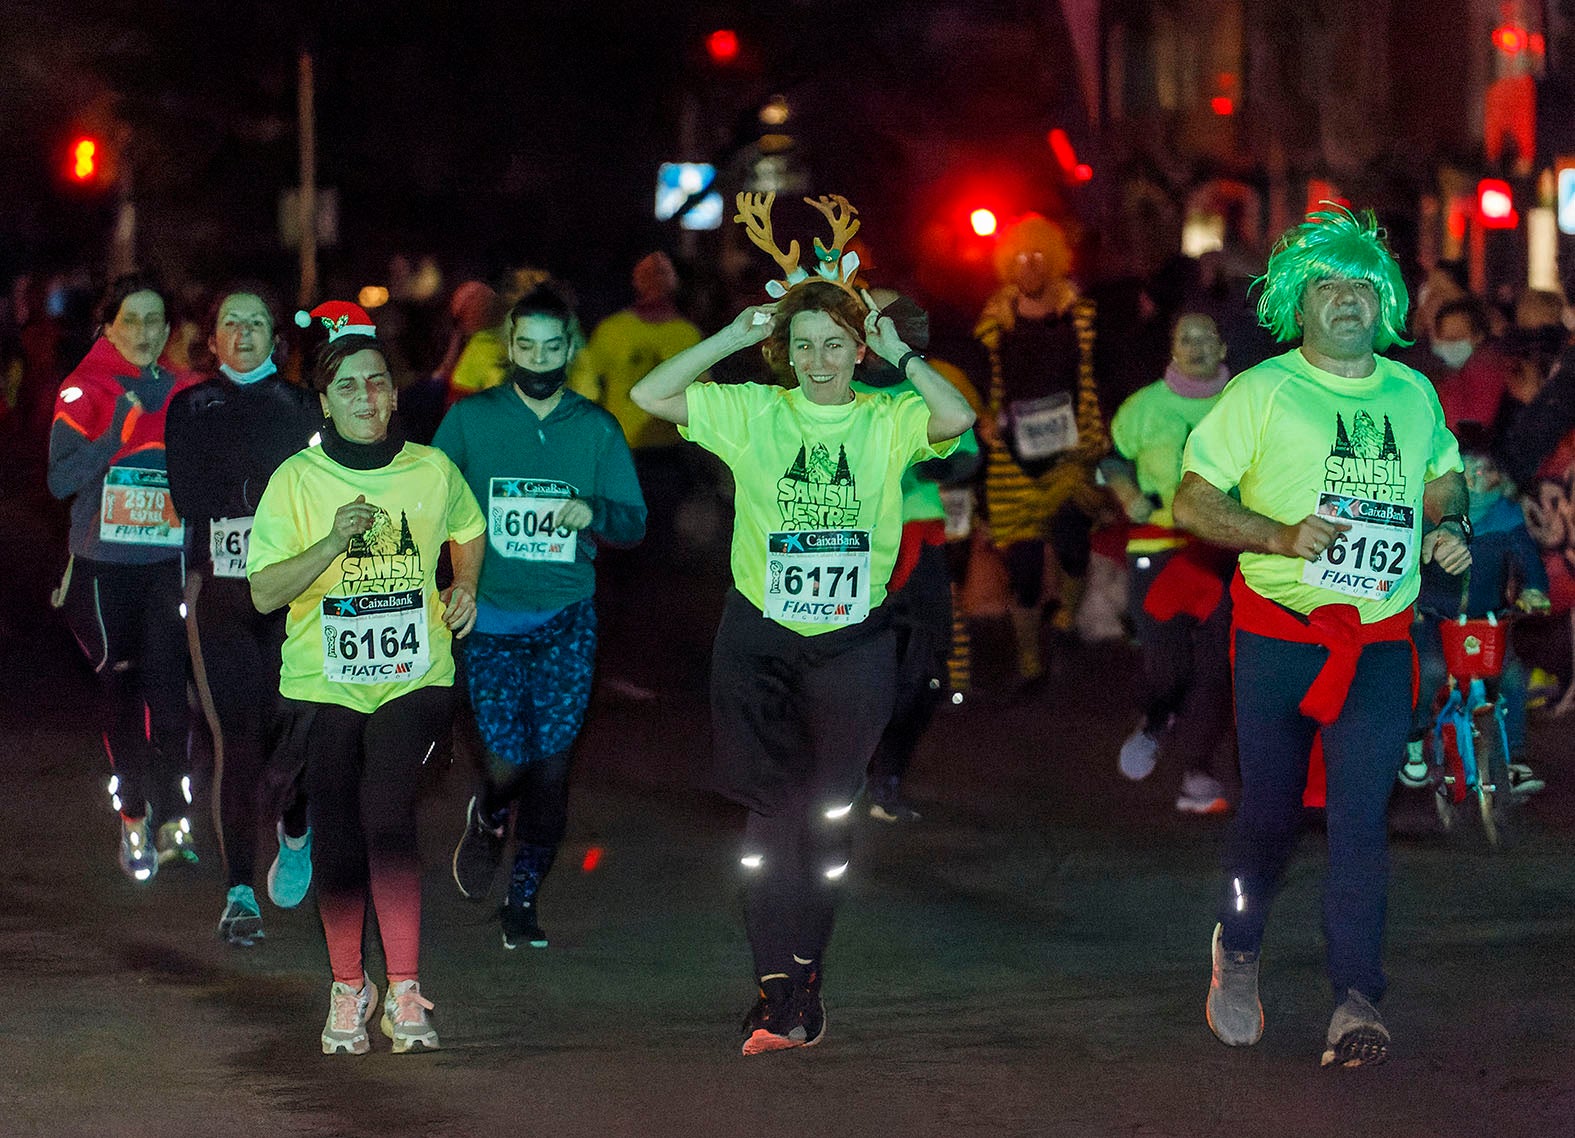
<point>721,46</point>
<point>1496,204</point>
<point>84,160</point>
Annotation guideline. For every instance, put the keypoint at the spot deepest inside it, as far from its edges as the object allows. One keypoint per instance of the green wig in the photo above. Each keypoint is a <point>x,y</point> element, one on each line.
<point>1333,243</point>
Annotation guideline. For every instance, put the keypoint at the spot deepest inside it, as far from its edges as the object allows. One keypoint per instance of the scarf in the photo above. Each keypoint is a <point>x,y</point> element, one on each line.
<point>363,456</point>
<point>1190,387</point>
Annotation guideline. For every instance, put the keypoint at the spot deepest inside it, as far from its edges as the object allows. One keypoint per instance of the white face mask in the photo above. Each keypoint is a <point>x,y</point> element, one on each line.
<point>1453,352</point>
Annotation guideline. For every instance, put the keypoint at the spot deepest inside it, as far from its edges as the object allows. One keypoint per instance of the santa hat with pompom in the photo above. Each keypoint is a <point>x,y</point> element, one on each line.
<point>340,317</point>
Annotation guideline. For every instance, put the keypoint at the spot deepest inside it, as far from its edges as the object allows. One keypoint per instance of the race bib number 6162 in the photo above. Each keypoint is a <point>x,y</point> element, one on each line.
<point>1371,557</point>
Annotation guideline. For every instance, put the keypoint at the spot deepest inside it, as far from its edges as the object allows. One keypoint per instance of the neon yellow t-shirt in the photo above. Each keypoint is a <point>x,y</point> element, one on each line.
<point>382,651</point>
<point>1298,440</point>
<point>483,363</point>
<point>1151,430</point>
<point>800,466</point>
<point>622,351</point>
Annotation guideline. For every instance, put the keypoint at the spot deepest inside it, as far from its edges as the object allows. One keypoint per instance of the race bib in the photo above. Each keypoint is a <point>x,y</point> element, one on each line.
<point>136,508</point>
<point>522,519</point>
<point>818,576</point>
<point>1043,428</point>
<point>228,540</point>
<point>1370,557</point>
<point>958,502</point>
<point>375,638</point>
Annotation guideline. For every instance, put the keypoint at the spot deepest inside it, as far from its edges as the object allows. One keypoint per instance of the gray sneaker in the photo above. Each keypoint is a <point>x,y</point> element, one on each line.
<point>1357,1036</point>
<point>1235,1016</point>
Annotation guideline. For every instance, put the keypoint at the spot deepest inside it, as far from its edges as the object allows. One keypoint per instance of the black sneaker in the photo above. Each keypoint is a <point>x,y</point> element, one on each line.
<point>520,927</point>
<point>809,1009</point>
<point>477,855</point>
<point>770,1023</point>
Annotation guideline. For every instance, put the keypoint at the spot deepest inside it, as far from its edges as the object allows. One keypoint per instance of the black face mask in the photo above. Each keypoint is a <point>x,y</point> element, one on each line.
<point>538,384</point>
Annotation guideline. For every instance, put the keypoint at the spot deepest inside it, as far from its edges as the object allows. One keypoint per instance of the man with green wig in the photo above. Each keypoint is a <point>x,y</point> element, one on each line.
<point>1331,470</point>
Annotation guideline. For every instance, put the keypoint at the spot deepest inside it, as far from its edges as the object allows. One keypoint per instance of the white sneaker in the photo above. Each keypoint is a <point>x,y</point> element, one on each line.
<point>349,1011</point>
<point>1201,794</point>
<point>1524,780</point>
<point>1139,755</point>
<point>405,1018</point>
<point>1414,772</point>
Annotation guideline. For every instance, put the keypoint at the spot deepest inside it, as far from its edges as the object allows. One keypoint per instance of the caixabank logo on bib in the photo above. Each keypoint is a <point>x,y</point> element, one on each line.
<point>1364,461</point>
<point>384,559</point>
<point>817,493</point>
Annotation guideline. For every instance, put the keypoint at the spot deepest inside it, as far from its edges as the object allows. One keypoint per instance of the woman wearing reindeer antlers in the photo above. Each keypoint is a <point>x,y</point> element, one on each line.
<point>802,674</point>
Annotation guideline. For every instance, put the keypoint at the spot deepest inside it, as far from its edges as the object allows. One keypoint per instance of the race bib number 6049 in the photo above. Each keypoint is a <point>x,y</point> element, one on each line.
<point>1372,556</point>
<point>522,519</point>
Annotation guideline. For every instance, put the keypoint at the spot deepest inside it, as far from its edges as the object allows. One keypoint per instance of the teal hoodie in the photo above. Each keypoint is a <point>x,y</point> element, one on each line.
<point>498,443</point>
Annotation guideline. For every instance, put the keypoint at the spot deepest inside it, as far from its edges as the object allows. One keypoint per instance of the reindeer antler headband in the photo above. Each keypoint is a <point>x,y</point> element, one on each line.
<point>831,263</point>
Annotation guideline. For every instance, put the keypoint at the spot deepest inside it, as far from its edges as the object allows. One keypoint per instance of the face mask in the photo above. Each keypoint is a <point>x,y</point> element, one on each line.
<point>261,371</point>
<point>538,385</point>
<point>1453,352</point>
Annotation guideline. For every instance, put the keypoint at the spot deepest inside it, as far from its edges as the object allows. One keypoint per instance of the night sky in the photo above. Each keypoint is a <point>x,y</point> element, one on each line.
<point>492,134</point>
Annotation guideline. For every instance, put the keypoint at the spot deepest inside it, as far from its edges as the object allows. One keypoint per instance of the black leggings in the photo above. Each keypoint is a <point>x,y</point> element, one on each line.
<point>796,720</point>
<point>1025,560</point>
<point>235,656</point>
<point>127,619</point>
<point>922,617</point>
<point>362,776</point>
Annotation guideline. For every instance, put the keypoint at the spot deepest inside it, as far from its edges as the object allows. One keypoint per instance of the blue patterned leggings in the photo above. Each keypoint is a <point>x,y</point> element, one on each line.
<point>529,694</point>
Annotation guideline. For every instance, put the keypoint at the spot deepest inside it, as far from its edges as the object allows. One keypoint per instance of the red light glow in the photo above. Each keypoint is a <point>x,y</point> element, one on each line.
<point>1222,105</point>
<point>1510,38</point>
<point>722,45</point>
<point>84,159</point>
<point>983,222</point>
<point>1495,202</point>
<point>1061,147</point>
<point>593,858</point>
<point>1082,172</point>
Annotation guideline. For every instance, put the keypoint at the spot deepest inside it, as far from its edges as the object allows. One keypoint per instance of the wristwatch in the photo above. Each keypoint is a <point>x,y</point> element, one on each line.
<point>1460,520</point>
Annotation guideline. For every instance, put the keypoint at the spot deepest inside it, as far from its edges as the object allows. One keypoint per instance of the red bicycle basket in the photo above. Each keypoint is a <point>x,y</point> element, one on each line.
<point>1475,648</point>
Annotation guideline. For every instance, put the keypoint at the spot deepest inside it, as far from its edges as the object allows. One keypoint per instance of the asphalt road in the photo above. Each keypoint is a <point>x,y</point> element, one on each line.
<point>1029,959</point>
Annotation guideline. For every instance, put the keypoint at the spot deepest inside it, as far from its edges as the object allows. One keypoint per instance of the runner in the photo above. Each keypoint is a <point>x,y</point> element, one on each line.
<point>348,535</point>
<point>1177,600</point>
<point>802,677</point>
<point>919,593</point>
<point>122,587</point>
<point>1338,454</point>
<point>225,438</point>
<point>559,482</point>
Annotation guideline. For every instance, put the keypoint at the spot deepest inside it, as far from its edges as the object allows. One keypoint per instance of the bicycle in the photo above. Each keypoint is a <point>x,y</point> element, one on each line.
<point>1470,744</point>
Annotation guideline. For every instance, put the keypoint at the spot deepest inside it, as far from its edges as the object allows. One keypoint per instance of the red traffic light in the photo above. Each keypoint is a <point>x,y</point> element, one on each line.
<point>1496,204</point>
<point>722,45</point>
<point>83,166</point>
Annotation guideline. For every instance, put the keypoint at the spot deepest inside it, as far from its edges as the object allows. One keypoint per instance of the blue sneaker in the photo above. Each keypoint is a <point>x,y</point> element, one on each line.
<point>290,875</point>
<point>241,922</point>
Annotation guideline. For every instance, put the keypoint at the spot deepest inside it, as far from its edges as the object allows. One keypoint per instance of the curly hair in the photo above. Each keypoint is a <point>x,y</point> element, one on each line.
<point>1333,242</point>
<point>1033,234</point>
<point>811,296</point>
